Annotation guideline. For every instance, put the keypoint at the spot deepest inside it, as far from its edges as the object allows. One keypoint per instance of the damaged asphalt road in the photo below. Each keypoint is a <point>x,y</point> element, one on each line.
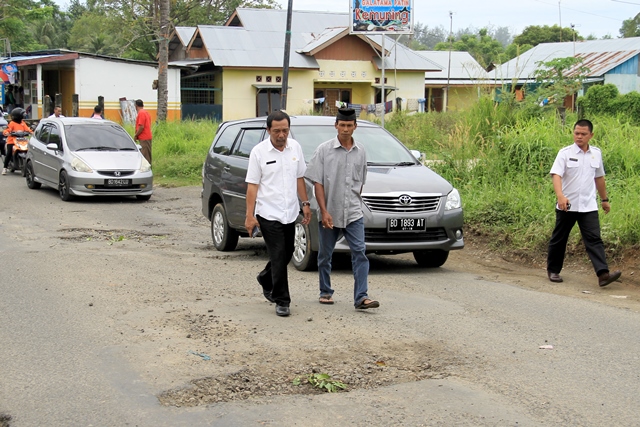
<point>120,312</point>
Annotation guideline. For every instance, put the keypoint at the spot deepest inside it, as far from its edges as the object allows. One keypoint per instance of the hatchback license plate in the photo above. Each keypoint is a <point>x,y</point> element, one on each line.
<point>403,225</point>
<point>117,182</point>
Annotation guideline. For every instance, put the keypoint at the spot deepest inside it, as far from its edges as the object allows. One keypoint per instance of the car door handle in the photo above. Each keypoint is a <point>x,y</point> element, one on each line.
<point>227,168</point>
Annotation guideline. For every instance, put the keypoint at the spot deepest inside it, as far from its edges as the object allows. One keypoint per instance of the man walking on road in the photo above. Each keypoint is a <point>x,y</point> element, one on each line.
<point>338,170</point>
<point>577,174</point>
<point>274,176</point>
<point>143,130</point>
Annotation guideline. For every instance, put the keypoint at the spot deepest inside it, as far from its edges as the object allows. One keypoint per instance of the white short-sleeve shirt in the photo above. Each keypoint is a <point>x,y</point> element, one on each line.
<point>578,170</point>
<point>276,173</point>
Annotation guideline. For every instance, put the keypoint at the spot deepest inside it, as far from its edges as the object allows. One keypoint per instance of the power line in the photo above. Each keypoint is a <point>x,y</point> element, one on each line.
<point>582,11</point>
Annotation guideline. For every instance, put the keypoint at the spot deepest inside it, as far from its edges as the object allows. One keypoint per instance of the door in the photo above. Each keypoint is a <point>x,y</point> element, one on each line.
<point>52,159</point>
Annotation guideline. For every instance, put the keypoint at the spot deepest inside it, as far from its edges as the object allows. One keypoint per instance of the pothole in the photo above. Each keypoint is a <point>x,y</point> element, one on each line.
<point>287,373</point>
<point>110,236</point>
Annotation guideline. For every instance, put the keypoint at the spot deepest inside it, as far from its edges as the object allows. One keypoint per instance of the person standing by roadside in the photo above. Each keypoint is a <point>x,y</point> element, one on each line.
<point>338,170</point>
<point>143,130</point>
<point>97,112</point>
<point>577,173</point>
<point>57,112</point>
<point>274,176</point>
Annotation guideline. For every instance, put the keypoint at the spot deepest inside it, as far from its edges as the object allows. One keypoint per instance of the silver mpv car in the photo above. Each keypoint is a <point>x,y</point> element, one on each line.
<point>87,157</point>
<point>407,207</point>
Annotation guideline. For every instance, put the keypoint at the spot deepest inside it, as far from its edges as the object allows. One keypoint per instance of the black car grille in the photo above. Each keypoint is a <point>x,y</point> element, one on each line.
<point>380,235</point>
<point>402,204</point>
<point>113,173</point>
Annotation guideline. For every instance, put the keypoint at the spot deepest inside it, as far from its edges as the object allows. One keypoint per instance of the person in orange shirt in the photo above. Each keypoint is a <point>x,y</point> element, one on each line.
<point>143,130</point>
<point>16,125</point>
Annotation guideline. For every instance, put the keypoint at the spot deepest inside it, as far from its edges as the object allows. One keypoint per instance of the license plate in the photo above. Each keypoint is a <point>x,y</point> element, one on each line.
<point>404,225</point>
<point>117,182</point>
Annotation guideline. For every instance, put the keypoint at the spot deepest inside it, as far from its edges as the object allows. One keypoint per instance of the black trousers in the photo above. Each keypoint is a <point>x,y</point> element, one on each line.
<point>9,154</point>
<point>279,239</point>
<point>589,224</point>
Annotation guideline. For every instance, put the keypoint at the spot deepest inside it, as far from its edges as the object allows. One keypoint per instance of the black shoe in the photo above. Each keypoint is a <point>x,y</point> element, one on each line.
<point>606,278</point>
<point>554,277</point>
<point>265,292</point>
<point>283,311</point>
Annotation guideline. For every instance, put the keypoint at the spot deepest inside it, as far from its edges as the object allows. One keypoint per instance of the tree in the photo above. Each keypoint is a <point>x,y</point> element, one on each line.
<point>534,35</point>
<point>484,48</point>
<point>631,27</point>
<point>163,59</point>
<point>559,78</point>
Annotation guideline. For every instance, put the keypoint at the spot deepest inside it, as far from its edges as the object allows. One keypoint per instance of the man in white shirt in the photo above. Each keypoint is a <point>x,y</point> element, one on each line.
<point>577,174</point>
<point>275,180</point>
<point>57,112</point>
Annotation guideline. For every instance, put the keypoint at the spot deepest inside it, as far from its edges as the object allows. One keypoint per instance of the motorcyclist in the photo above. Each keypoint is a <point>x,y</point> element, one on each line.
<point>17,124</point>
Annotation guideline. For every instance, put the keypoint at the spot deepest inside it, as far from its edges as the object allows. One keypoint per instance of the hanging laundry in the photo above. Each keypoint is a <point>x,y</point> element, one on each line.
<point>412,105</point>
<point>388,106</point>
<point>357,108</point>
<point>379,110</point>
<point>318,100</point>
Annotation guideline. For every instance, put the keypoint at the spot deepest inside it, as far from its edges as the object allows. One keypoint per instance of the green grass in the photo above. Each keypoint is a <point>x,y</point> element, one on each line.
<point>498,156</point>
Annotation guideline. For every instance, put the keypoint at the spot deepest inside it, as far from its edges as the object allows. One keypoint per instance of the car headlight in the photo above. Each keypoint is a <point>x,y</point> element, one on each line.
<point>80,166</point>
<point>145,166</point>
<point>453,201</point>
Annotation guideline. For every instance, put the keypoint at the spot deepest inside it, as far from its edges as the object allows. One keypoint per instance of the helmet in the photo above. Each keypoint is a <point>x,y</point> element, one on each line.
<point>18,114</point>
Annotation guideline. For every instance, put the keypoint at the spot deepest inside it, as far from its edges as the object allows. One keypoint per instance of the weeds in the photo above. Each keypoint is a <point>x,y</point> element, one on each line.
<point>323,382</point>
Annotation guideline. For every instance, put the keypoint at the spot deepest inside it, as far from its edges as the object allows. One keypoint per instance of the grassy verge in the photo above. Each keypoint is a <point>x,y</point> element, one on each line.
<point>499,158</point>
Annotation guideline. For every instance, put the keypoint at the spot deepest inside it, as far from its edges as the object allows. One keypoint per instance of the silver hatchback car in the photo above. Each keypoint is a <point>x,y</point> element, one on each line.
<point>87,157</point>
<point>407,206</point>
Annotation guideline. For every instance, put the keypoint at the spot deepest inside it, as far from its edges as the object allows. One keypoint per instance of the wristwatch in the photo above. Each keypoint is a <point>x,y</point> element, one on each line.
<point>306,203</point>
<point>604,200</point>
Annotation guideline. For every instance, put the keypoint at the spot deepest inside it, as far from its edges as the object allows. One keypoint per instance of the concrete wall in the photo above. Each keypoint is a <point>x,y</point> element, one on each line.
<point>114,80</point>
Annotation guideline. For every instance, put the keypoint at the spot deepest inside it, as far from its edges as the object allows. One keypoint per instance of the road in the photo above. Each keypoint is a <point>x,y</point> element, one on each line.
<point>120,312</point>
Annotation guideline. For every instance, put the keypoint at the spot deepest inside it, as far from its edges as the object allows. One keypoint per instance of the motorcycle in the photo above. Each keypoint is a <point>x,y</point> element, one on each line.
<point>20,147</point>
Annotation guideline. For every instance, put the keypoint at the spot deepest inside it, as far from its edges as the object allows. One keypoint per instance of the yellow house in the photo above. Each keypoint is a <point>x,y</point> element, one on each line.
<point>235,71</point>
<point>458,85</point>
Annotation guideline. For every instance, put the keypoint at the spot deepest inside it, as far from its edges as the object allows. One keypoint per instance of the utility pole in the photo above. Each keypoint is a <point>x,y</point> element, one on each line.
<point>560,19</point>
<point>446,99</point>
<point>287,54</point>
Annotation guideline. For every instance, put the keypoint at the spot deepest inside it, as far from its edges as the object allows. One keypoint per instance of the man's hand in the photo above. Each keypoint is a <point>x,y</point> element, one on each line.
<point>249,223</point>
<point>563,203</point>
<point>606,207</point>
<point>306,211</point>
<point>327,220</point>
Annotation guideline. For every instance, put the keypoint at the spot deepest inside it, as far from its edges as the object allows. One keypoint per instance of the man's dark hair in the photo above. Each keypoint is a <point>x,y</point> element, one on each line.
<point>277,116</point>
<point>97,109</point>
<point>139,103</point>
<point>584,122</point>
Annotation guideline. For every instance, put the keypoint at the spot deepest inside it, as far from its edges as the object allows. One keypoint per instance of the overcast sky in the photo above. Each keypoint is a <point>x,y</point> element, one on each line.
<point>597,17</point>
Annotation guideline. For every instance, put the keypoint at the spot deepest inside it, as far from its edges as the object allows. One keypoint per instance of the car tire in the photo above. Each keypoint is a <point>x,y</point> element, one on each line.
<point>144,198</point>
<point>224,237</point>
<point>31,177</point>
<point>63,187</point>
<point>431,258</point>
<point>304,258</point>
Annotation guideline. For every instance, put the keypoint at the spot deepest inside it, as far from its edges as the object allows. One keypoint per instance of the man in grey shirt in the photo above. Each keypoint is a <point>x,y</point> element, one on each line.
<point>338,170</point>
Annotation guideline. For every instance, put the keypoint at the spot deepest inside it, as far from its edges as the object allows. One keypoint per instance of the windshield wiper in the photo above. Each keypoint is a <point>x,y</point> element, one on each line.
<point>380,164</point>
<point>405,164</point>
<point>128,149</point>
<point>99,148</point>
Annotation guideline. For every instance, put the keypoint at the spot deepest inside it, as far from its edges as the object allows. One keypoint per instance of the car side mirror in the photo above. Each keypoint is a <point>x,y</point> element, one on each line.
<point>417,154</point>
<point>52,146</point>
<point>139,147</point>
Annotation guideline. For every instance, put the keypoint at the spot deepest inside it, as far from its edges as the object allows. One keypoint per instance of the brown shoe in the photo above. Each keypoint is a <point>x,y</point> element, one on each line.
<point>554,277</point>
<point>606,278</point>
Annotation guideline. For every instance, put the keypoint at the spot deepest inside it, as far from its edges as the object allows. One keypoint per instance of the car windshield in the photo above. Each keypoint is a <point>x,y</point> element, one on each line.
<point>100,138</point>
<point>381,147</point>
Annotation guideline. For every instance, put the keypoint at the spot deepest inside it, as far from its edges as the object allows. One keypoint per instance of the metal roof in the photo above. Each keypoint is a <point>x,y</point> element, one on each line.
<point>600,56</point>
<point>463,67</point>
<point>185,34</point>
<point>259,42</point>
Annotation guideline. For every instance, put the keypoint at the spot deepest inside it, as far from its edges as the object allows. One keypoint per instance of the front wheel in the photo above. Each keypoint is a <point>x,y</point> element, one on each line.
<point>224,237</point>
<point>31,177</point>
<point>431,258</point>
<point>63,187</point>
<point>304,258</point>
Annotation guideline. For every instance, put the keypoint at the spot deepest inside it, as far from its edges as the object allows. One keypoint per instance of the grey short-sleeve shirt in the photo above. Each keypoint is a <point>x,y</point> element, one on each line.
<point>342,173</point>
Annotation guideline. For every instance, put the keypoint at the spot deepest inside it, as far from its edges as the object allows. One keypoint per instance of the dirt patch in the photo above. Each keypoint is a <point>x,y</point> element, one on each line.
<point>355,367</point>
<point>109,236</point>
<point>5,420</point>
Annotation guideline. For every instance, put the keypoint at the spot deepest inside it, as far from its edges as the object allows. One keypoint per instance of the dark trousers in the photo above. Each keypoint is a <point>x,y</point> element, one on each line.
<point>279,240</point>
<point>589,229</point>
<point>9,155</point>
